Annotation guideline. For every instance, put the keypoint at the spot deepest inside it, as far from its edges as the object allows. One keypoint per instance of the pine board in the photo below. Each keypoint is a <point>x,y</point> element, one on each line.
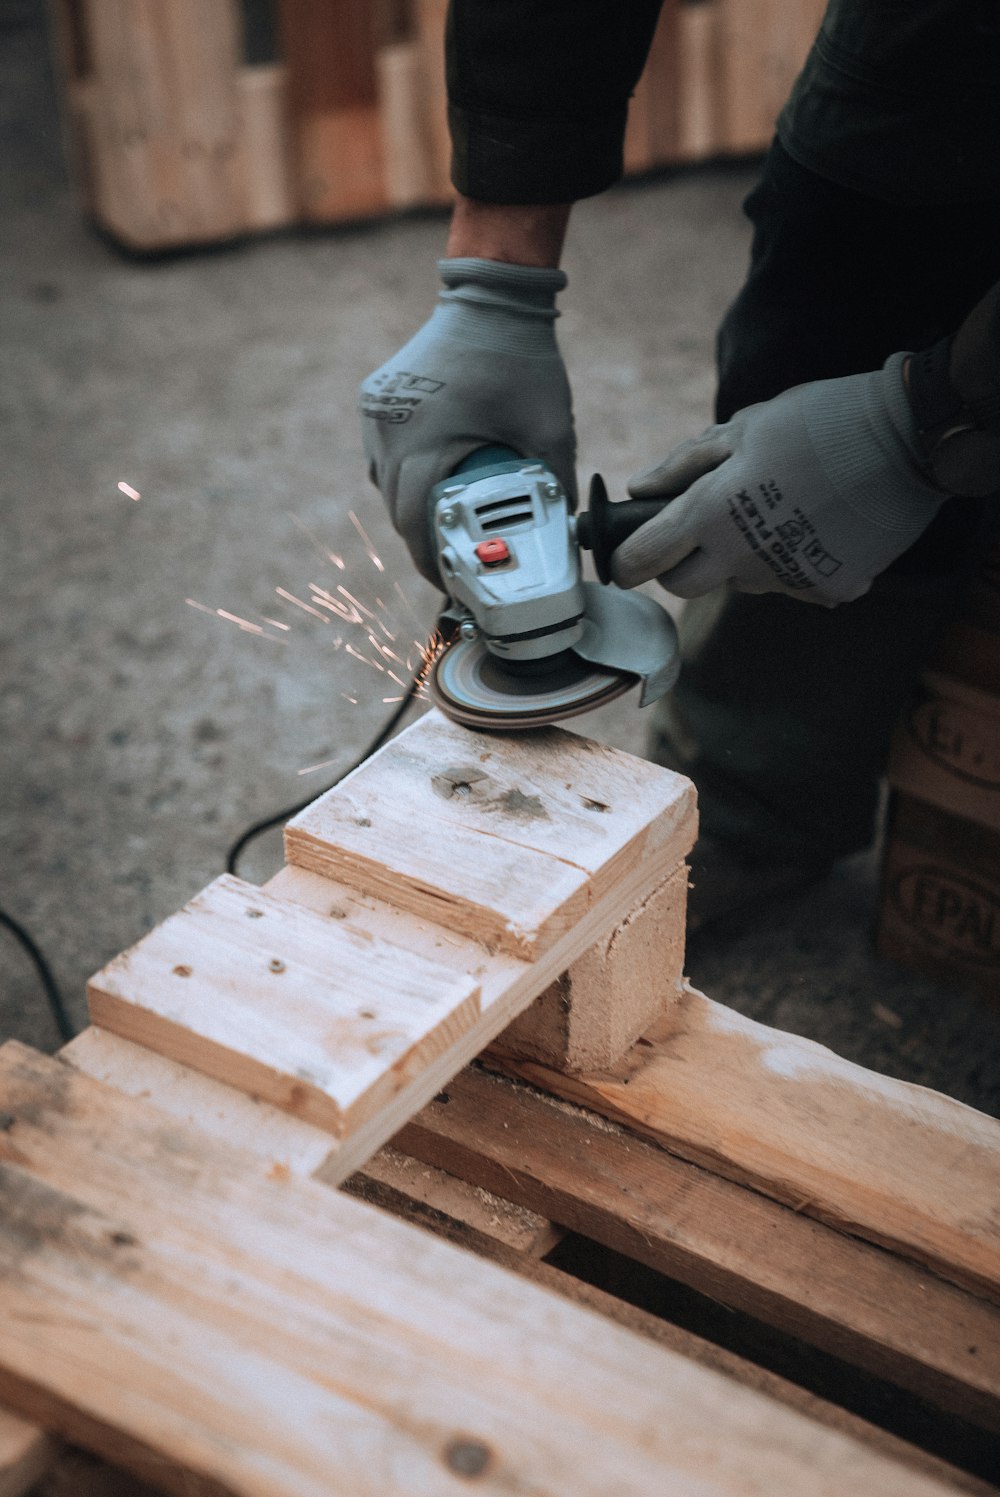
<point>185,1314</point>
<point>508,839</point>
<point>301,1010</point>
<point>897,1164</point>
<point>855,1301</point>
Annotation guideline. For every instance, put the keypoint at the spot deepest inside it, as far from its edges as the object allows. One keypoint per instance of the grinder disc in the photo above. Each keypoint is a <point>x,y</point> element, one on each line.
<point>472,687</point>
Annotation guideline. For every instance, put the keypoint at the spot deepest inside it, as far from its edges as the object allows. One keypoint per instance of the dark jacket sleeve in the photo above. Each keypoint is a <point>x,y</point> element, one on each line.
<point>538,94</point>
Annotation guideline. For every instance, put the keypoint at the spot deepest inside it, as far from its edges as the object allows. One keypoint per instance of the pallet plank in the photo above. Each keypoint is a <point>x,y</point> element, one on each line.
<point>300,1010</point>
<point>509,840</point>
<point>897,1164</point>
<point>173,1308</point>
<point>853,1300</point>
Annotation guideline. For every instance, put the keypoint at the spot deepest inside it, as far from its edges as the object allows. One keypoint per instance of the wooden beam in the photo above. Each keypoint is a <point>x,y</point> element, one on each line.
<point>855,1301</point>
<point>179,1311</point>
<point>897,1164</point>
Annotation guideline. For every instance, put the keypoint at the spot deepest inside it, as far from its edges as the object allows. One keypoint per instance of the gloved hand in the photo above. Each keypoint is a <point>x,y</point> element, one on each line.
<point>811,494</point>
<point>484,369</point>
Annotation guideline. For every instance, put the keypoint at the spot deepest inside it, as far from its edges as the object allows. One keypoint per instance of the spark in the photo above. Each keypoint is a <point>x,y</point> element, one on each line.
<point>364,659</point>
<point>127,488</point>
<point>299,604</point>
<point>352,599</point>
<point>202,607</point>
<point>234,618</point>
<point>350,615</point>
<point>392,699</point>
<point>325,763</point>
<point>353,700</point>
<point>276,622</point>
<point>406,602</point>
<point>338,561</point>
<point>373,555</point>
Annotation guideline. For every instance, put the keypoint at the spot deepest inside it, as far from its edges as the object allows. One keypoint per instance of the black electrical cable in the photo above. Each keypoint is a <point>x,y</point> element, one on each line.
<point>260,827</point>
<point>55,999</point>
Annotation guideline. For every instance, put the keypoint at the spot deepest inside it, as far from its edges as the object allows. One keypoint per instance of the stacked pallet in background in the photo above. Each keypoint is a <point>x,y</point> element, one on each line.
<point>175,140</point>
<point>941,880</point>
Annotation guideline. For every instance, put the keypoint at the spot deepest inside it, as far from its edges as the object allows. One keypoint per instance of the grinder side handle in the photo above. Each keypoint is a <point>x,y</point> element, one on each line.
<point>604,526</point>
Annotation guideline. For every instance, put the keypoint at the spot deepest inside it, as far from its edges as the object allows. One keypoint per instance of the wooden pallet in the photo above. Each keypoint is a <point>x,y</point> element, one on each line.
<point>183,1293</point>
<point>175,140</point>
<point>940,898</point>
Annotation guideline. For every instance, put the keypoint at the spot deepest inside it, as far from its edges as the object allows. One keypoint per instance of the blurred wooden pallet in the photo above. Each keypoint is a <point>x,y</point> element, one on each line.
<point>940,900</point>
<point>175,140</point>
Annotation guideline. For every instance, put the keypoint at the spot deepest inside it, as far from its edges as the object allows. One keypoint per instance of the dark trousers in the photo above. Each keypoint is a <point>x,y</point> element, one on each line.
<point>783,712</point>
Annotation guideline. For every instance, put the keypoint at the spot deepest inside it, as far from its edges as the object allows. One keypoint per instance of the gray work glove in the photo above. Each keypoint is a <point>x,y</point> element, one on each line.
<point>811,494</point>
<point>485,369</point>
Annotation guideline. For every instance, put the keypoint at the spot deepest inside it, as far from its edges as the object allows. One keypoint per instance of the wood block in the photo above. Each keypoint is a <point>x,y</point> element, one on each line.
<point>165,147</point>
<point>430,19</point>
<point>664,85</point>
<point>26,1453</point>
<point>178,1312</point>
<point>940,901</point>
<point>329,47</point>
<point>698,79</point>
<point>507,839</point>
<point>857,1302</point>
<point>411,170</point>
<point>293,1007</point>
<point>263,106</point>
<point>589,1017</point>
<point>899,1165</point>
<point>947,753</point>
<point>762,46</point>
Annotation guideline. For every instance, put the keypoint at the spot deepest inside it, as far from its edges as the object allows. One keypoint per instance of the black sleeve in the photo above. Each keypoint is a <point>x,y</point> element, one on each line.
<point>538,94</point>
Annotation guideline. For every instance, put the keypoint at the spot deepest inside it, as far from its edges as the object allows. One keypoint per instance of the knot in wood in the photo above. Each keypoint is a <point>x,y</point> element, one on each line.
<point>463,782</point>
<point>468,1457</point>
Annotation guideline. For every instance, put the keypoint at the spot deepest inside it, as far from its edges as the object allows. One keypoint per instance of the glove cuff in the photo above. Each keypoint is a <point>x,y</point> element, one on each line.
<point>533,285</point>
<point>507,308</point>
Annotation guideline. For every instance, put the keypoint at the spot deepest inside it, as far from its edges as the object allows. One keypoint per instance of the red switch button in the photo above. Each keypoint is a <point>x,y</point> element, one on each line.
<point>493,553</point>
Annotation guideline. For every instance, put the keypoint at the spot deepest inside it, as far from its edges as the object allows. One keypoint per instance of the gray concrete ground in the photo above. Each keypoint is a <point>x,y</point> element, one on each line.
<point>139,736</point>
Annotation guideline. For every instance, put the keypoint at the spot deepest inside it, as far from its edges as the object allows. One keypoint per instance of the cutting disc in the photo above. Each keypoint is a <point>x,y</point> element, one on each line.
<point>473,688</point>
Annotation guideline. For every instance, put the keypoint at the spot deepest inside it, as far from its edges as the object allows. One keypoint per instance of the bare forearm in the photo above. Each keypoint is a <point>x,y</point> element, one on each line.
<point>532,234</point>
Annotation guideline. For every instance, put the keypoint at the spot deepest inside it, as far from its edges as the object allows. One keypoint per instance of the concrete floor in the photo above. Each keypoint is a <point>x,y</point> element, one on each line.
<point>138,736</point>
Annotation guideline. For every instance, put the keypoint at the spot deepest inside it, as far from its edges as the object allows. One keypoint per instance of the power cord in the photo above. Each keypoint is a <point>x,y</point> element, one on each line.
<point>260,827</point>
<point>57,1007</point>
<point>54,997</point>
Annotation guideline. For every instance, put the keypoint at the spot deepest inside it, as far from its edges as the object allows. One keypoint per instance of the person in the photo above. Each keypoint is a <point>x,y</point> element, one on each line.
<point>855,458</point>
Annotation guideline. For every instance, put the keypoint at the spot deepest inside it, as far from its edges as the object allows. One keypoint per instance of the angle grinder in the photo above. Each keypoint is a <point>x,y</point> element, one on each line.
<point>528,641</point>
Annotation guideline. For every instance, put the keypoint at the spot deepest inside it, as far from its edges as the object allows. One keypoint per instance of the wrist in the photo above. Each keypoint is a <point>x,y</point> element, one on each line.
<point>960,455</point>
<point>530,234</point>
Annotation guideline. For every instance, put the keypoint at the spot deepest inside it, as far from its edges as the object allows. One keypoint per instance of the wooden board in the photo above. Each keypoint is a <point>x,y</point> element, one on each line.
<point>490,1127</point>
<point>894,1163</point>
<point>289,1146</point>
<point>509,840</point>
<point>330,47</point>
<point>217,1330</point>
<point>293,1007</point>
<point>850,1299</point>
